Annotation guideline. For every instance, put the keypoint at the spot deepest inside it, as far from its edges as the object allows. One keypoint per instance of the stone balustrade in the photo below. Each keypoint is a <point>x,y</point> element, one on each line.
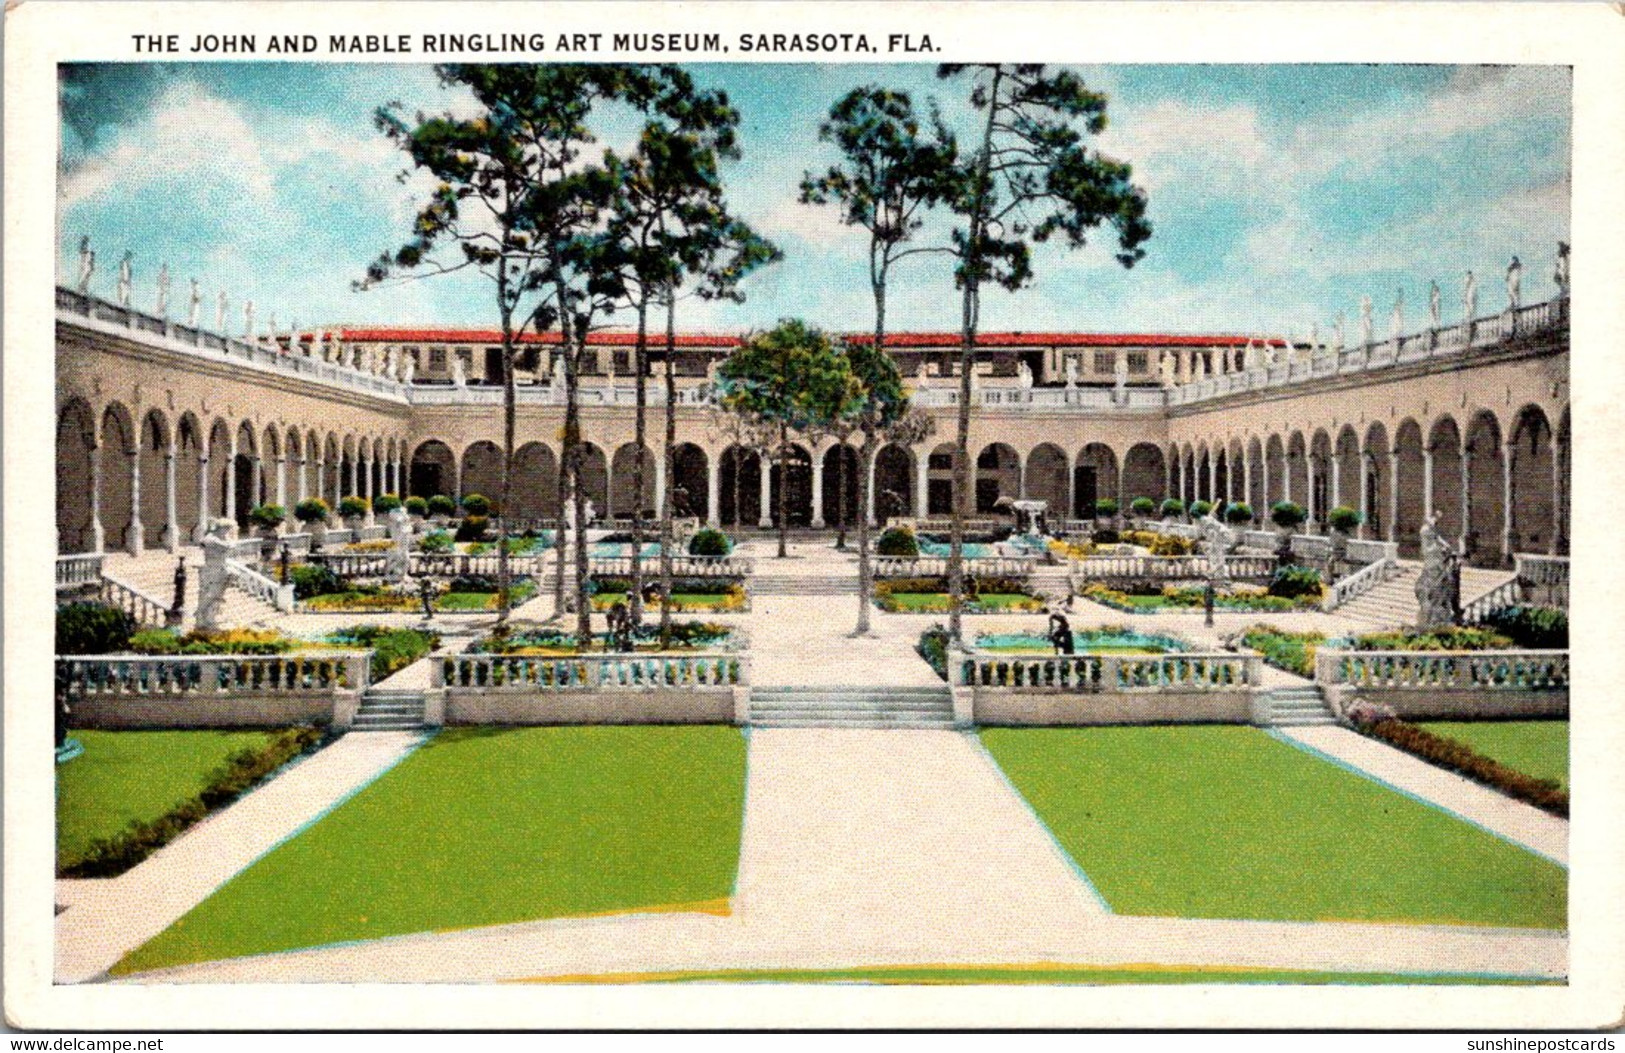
<point>1167,568</point>
<point>705,688</point>
<point>79,571</point>
<point>1545,579</point>
<point>943,525</point>
<point>596,672</point>
<point>1507,594</point>
<point>1360,582</point>
<point>1365,551</point>
<point>214,690</point>
<point>259,586</point>
<point>146,610</point>
<point>1179,672</point>
<point>937,566</point>
<point>1425,671</point>
<point>681,566</point>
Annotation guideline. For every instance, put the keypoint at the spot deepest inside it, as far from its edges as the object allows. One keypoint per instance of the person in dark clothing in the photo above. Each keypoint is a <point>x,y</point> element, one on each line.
<point>1060,633</point>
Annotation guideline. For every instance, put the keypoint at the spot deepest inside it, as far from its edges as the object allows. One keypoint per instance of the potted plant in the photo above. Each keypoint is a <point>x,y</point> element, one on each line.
<point>441,508</point>
<point>1287,517</point>
<point>477,505</point>
<point>709,542</point>
<point>312,512</point>
<point>1199,509</point>
<point>1238,514</point>
<point>1173,508</point>
<point>386,503</point>
<point>1142,508</point>
<point>1344,521</point>
<point>417,508</point>
<point>269,518</point>
<point>353,510</point>
<point>1106,508</point>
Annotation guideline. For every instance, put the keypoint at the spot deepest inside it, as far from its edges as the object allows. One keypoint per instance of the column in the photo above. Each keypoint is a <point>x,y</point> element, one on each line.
<point>1365,499</point>
<point>171,531</point>
<point>202,527</point>
<point>1071,491</point>
<point>818,490</point>
<point>320,483</point>
<point>1506,502</point>
<point>1309,498</point>
<point>299,478</point>
<point>765,474</point>
<point>349,477</point>
<point>231,481</point>
<point>869,505</point>
<point>1247,477</point>
<point>136,541</point>
<point>1180,493</point>
<point>713,490</point>
<point>1334,496</point>
<point>1557,501</point>
<point>1466,497</point>
<point>258,485</point>
<point>1167,482</point>
<point>366,487</point>
<point>922,481</point>
<point>1427,483</point>
<point>660,481</point>
<point>98,538</point>
<point>1229,480</point>
<point>1391,533</point>
<point>1286,475</point>
<point>282,480</point>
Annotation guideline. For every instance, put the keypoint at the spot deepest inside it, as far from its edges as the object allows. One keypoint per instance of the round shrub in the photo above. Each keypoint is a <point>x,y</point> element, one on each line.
<point>92,628</point>
<point>1105,507</point>
<point>1343,519</point>
<point>353,507</point>
<point>386,503</point>
<point>898,541</point>
<point>1294,581</point>
<point>311,510</point>
<point>473,528</point>
<point>268,516</point>
<point>1142,506</point>
<point>441,505</point>
<point>476,505</point>
<point>417,506</point>
<point>1173,506</point>
<point>1200,508</point>
<point>1287,515</point>
<point>1538,627</point>
<point>314,579</point>
<point>709,542</point>
<point>435,541</point>
<point>1240,512</point>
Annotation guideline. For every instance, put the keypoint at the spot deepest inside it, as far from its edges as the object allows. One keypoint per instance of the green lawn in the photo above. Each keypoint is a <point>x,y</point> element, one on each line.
<point>1227,822</point>
<point>125,776</point>
<point>1048,973</point>
<point>483,826</point>
<point>938,601</point>
<point>1534,747</point>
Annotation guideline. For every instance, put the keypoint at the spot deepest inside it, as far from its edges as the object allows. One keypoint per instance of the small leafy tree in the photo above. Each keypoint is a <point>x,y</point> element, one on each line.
<point>353,507</point>
<point>441,505</point>
<point>1105,507</point>
<point>386,503</point>
<point>1173,508</point>
<point>268,516</point>
<point>476,505</point>
<point>311,510</point>
<point>1343,519</point>
<point>1238,513</point>
<point>1287,515</point>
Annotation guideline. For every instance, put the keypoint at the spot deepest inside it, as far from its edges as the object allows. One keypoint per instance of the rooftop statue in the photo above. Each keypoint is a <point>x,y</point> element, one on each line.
<point>1561,276</point>
<point>1469,298</point>
<point>1365,321</point>
<point>124,279</point>
<point>87,263</point>
<point>220,312</point>
<point>1514,285</point>
<point>1337,331</point>
<point>1396,322</point>
<point>248,320</point>
<point>193,303</point>
<point>163,292</point>
<point>1433,305</point>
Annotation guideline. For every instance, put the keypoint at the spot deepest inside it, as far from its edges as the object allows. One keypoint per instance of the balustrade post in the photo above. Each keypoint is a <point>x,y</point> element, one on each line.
<point>97,535</point>
<point>713,491</point>
<point>136,542</point>
<point>818,487</point>
<point>922,481</point>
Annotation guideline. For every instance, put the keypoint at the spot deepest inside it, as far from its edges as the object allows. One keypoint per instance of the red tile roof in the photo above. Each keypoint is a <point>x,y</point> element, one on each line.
<point>361,334</point>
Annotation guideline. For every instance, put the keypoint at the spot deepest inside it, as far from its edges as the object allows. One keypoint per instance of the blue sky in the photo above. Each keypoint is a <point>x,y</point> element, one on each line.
<point>1279,194</point>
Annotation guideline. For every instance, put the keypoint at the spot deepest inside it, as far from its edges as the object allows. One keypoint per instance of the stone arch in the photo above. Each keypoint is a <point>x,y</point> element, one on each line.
<point>998,474</point>
<point>690,493</point>
<point>1253,481</point>
<point>293,446</point>
<point>1094,475</point>
<point>741,489</point>
<point>482,472</point>
<point>940,479</point>
<point>1376,482</point>
<point>155,449</point>
<point>1410,477</point>
<point>840,482</point>
<point>189,451</point>
<point>1277,472</point>
<point>535,482</point>
<point>118,457</point>
<point>332,471</point>
<point>894,482</point>
<point>1445,447</point>
<point>592,476</point>
<point>1486,489</point>
<point>433,470</point>
<point>1350,478</point>
<point>1046,479</point>
<point>1296,483</point>
<point>1145,473</point>
<point>1534,481</point>
<point>797,482</point>
<point>1320,476</point>
<point>76,435</point>
<point>625,500</point>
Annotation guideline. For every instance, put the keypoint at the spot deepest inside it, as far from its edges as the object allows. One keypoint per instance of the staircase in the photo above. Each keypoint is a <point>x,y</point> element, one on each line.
<point>390,709</point>
<point>769,583</point>
<point>852,707</point>
<point>154,574</point>
<point>1297,707</point>
<point>1393,603</point>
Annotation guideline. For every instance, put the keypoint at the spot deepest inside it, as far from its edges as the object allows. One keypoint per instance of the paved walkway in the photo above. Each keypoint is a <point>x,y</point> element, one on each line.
<point>891,847</point>
<point>108,918</point>
<point>1520,823</point>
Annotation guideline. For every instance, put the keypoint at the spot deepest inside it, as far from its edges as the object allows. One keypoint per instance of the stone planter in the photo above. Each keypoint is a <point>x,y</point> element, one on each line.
<point>317,529</point>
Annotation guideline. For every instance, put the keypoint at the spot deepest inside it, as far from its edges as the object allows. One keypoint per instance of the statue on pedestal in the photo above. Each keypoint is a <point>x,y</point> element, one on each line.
<point>162,310</point>
<point>212,582</point>
<point>1561,276</point>
<point>1396,321</point>
<point>1514,285</point>
<point>125,279</point>
<point>1433,305</point>
<point>409,369</point>
<point>87,263</point>
<point>220,313</point>
<point>399,561</point>
<point>1438,587</point>
<point>458,377</point>
<point>193,303</point>
<point>248,320</point>
<point>1365,321</point>
<point>1469,298</point>
<point>1338,336</point>
<point>1216,544</point>
<point>1024,376</point>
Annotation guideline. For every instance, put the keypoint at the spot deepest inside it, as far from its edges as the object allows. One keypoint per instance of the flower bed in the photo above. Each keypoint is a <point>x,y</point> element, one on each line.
<point>1145,598</point>
<point>217,641</point>
<point>549,640</point>
<point>525,544</point>
<point>689,595</point>
<point>468,593</point>
<point>1295,651</point>
<point>930,596</point>
<point>392,649</point>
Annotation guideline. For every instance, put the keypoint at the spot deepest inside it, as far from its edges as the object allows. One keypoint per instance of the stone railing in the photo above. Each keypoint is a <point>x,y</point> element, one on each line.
<point>590,393</point>
<point>996,396</point>
<point>220,676</point>
<point>681,566</point>
<point>599,672</point>
<point>1452,340</point>
<point>1434,670</point>
<point>101,315</point>
<point>78,571</point>
<point>259,586</point>
<point>1371,551</point>
<point>1360,582</point>
<point>250,550</point>
<point>1507,594</point>
<point>424,564</point>
<point>376,532</point>
<point>146,610</point>
<point>1545,579</point>
<point>937,566</point>
<point>943,525</point>
<point>1215,671</point>
<point>337,536</point>
<point>1167,568</point>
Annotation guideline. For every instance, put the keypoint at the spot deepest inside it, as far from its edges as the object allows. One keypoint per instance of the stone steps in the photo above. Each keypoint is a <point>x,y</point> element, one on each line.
<point>1297,707</point>
<point>852,707</point>
<point>390,709</point>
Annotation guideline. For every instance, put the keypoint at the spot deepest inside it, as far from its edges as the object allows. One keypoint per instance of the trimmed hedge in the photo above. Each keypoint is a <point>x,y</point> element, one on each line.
<point>476,505</point>
<point>1238,513</point>
<point>392,649</point>
<point>1142,506</point>
<point>1447,753</point>
<point>1172,507</point>
<point>473,528</point>
<point>1537,627</point>
<point>1200,508</point>
<point>933,647</point>
<point>709,542</point>
<point>314,579</point>
<point>1343,519</point>
<point>110,856</point>
<point>1105,507</point>
<point>268,516</point>
<point>898,541</point>
<point>1287,514</point>
<point>1294,581</point>
<point>311,510</point>
<point>417,506</point>
<point>386,503</point>
<point>92,628</point>
<point>1294,652</point>
<point>441,505</point>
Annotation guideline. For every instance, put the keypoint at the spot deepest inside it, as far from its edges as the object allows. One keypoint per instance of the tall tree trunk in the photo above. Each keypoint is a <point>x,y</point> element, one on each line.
<point>840,492</point>
<point>670,451</point>
<point>560,551</point>
<point>784,471</point>
<point>578,497</point>
<point>510,398</point>
<point>866,455</point>
<point>640,432</point>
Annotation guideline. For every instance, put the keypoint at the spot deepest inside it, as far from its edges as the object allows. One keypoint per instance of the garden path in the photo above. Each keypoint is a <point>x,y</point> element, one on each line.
<point>108,918</point>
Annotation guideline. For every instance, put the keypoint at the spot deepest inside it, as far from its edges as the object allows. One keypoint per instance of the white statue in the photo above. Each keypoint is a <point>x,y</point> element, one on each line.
<point>248,320</point>
<point>124,278</point>
<point>271,328</point>
<point>193,303</point>
<point>1216,539</point>
<point>1438,586</point>
<point>1514,285</point>
<point>163,292</point>
<point>1561,277</point>
<point>1365,321</point>
<point>1337,331</point>
<point>1314,337</point>
<point>317,339</point>
<point>1167,366</point>
<point>1469,298</point>
<point>1433,305</point>
<point>220,313</point>
<point>1071,373</point>
<point>1024,376</point>
<point>409,368</point>
<point>215,576</point>
<point>1396,321</point>
<point>87,263</point>
<point>558,372</point>
<point>399,561</point>
<point>458,377</point>
<point>920,375</point>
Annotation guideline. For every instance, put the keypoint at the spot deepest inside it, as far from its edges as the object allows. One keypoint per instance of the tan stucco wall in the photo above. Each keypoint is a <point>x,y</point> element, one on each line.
<point>189,712</point>
<point>487,706</point>
<point>1038,707</point>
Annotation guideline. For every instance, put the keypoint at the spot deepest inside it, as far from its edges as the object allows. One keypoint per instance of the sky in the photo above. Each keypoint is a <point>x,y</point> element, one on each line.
<point>1279,194</point>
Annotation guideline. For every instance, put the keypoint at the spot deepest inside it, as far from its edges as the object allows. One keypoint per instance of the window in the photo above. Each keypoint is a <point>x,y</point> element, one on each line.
<point>437,359</point>
<point>1104,361</point>
<point>623,361</point>
<point>941,462</point>
<point>1139,362</point>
